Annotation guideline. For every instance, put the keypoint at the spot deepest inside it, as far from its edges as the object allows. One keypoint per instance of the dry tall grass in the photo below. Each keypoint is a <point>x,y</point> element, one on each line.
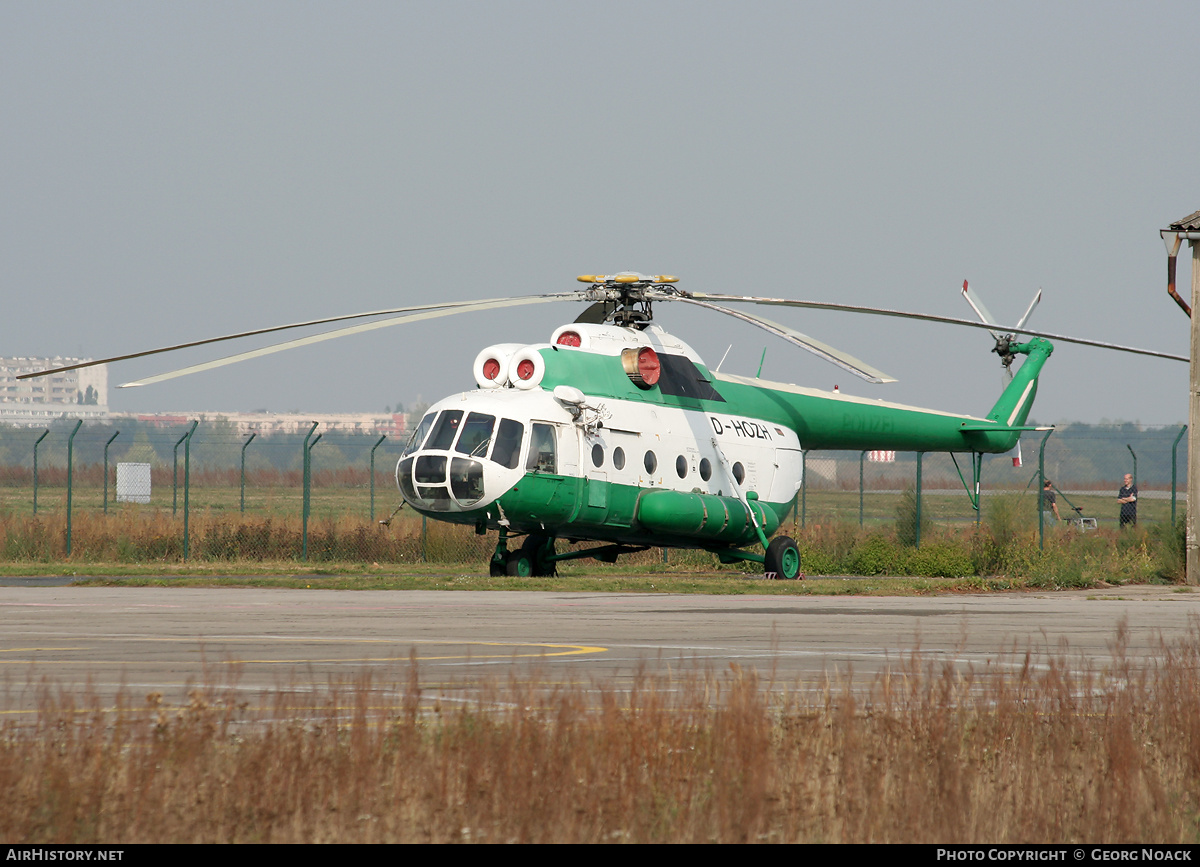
<point>1026,749</point>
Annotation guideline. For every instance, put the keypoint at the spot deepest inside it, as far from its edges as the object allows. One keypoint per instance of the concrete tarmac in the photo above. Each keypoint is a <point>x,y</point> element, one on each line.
<point>143,640</point>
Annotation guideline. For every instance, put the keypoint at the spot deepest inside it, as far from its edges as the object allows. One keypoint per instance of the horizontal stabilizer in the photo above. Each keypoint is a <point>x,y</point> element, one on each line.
<point>1003,428</point>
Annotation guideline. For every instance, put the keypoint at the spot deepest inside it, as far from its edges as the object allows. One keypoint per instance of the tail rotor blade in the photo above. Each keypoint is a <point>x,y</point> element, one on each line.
<point>1037,299</point>
<point>981,311</point>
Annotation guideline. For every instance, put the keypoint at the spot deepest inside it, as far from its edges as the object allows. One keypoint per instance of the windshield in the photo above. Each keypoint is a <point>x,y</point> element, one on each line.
<point>445,430</point>
<point>476,434</point>
<point>418,436</point>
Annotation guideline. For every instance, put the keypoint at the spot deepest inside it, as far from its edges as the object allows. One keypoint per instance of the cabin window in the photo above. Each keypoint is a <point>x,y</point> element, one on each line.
<point>445,430</point>
<point>705,469</point>
<point>619,458</point>
<point>542,458</point>
<point>681,466</point>
<point>476,434</point>
<point>651,462</point>
<point>679,376</point>
<point>739,473</point>
<point>597,455</point>
<point>507,451</point>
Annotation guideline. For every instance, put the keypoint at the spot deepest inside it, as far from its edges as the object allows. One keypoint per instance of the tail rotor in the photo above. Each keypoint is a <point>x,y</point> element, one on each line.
<point>1004,342</point>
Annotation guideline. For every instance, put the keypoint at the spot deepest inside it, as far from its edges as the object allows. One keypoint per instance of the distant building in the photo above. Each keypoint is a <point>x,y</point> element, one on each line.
<point>74,393</point>
<point>266,423</point>
<point>83,394</point>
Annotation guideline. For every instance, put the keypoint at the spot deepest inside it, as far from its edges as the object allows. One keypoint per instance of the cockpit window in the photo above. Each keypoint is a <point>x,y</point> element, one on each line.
<point>541,450</point>
<point>507,450</point>
<point>445,429</point>
<point>476,435</point>
<point>418,436</point>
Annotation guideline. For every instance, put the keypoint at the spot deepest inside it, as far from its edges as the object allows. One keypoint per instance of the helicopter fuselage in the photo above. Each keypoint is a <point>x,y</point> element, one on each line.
<point>621,434</point>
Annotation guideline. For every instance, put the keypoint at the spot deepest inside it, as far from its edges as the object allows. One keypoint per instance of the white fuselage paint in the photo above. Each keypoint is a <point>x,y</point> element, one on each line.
<point>652,440</point>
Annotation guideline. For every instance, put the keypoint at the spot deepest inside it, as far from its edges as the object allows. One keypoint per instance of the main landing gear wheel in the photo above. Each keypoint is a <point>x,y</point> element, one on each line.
<point>783,559</point>
<point>531,559</point>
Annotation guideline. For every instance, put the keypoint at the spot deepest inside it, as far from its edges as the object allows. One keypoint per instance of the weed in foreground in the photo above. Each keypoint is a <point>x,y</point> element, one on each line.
<point>1029,747</point>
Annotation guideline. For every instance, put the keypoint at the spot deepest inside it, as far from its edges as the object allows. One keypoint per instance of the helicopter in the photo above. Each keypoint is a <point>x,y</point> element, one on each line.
<point>615,432</point>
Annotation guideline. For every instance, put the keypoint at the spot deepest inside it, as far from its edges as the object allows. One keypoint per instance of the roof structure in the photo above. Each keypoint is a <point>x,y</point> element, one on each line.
<point>1190,223</point>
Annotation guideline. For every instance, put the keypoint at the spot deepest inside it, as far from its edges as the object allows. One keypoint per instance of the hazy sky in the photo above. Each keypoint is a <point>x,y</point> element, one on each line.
<point>171,171</point>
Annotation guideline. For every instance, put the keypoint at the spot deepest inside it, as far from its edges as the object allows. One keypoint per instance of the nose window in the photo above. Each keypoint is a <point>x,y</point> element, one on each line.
<point>431,470</point>
<point>466,480</point>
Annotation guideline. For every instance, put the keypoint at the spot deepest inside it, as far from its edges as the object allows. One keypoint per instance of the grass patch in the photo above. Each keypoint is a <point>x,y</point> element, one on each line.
<point>410,553</point>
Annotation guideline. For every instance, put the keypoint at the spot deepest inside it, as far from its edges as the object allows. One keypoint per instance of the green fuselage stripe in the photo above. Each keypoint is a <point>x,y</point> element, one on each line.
<point>821,422</point>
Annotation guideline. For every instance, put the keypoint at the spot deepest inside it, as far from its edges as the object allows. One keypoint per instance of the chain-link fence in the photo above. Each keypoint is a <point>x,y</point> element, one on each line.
<point>1085,464</point>
<point>134,491</point>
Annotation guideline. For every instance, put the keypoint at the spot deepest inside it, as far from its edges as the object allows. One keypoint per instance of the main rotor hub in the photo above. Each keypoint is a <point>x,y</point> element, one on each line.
<point>627,296</point>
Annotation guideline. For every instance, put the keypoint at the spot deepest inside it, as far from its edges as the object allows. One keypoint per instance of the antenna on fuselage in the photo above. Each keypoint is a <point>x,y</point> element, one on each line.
<point>723,357</point>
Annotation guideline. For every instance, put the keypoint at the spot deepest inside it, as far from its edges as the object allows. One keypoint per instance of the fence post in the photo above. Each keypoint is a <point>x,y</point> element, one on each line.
<point>304,508</point>
<point>187,474</point>
<point>70,451</point>
<point>175,474</point>
<point>106,445</point>
<point>917,530</point>
<point>424,532</point>
<point>1174,467</point>
<point>977,465</point>
<point>861,458</point>
<point>45,433</point>
<point>377,444</point>
<point>242,501</point>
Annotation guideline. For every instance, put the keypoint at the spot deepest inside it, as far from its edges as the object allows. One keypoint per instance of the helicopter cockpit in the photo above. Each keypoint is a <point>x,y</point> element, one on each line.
<point>460,459</point>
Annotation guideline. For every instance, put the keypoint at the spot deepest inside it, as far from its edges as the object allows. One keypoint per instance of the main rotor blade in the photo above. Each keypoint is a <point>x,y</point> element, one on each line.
<point>447,310</point>
<point>925,317</point>
<point>824,350</point>
<point>325,321</point>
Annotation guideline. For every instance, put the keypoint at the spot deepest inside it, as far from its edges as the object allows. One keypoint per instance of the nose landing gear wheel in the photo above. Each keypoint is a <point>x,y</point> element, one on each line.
<point>783,559</point>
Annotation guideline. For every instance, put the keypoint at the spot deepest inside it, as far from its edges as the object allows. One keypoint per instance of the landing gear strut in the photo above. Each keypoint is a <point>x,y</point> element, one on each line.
<point>533,559</point>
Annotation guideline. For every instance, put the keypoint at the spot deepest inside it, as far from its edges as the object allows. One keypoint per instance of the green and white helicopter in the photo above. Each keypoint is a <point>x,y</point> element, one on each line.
<point>615,431</point>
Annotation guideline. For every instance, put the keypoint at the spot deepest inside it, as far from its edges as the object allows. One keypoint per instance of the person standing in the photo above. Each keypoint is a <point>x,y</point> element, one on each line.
<point>1049,501</point>
<point>1127,497</point>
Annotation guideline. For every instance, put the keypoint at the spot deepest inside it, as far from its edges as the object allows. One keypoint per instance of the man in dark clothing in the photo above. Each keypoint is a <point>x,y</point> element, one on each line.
<point>1127,497</point>
<point>1049,501</point>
